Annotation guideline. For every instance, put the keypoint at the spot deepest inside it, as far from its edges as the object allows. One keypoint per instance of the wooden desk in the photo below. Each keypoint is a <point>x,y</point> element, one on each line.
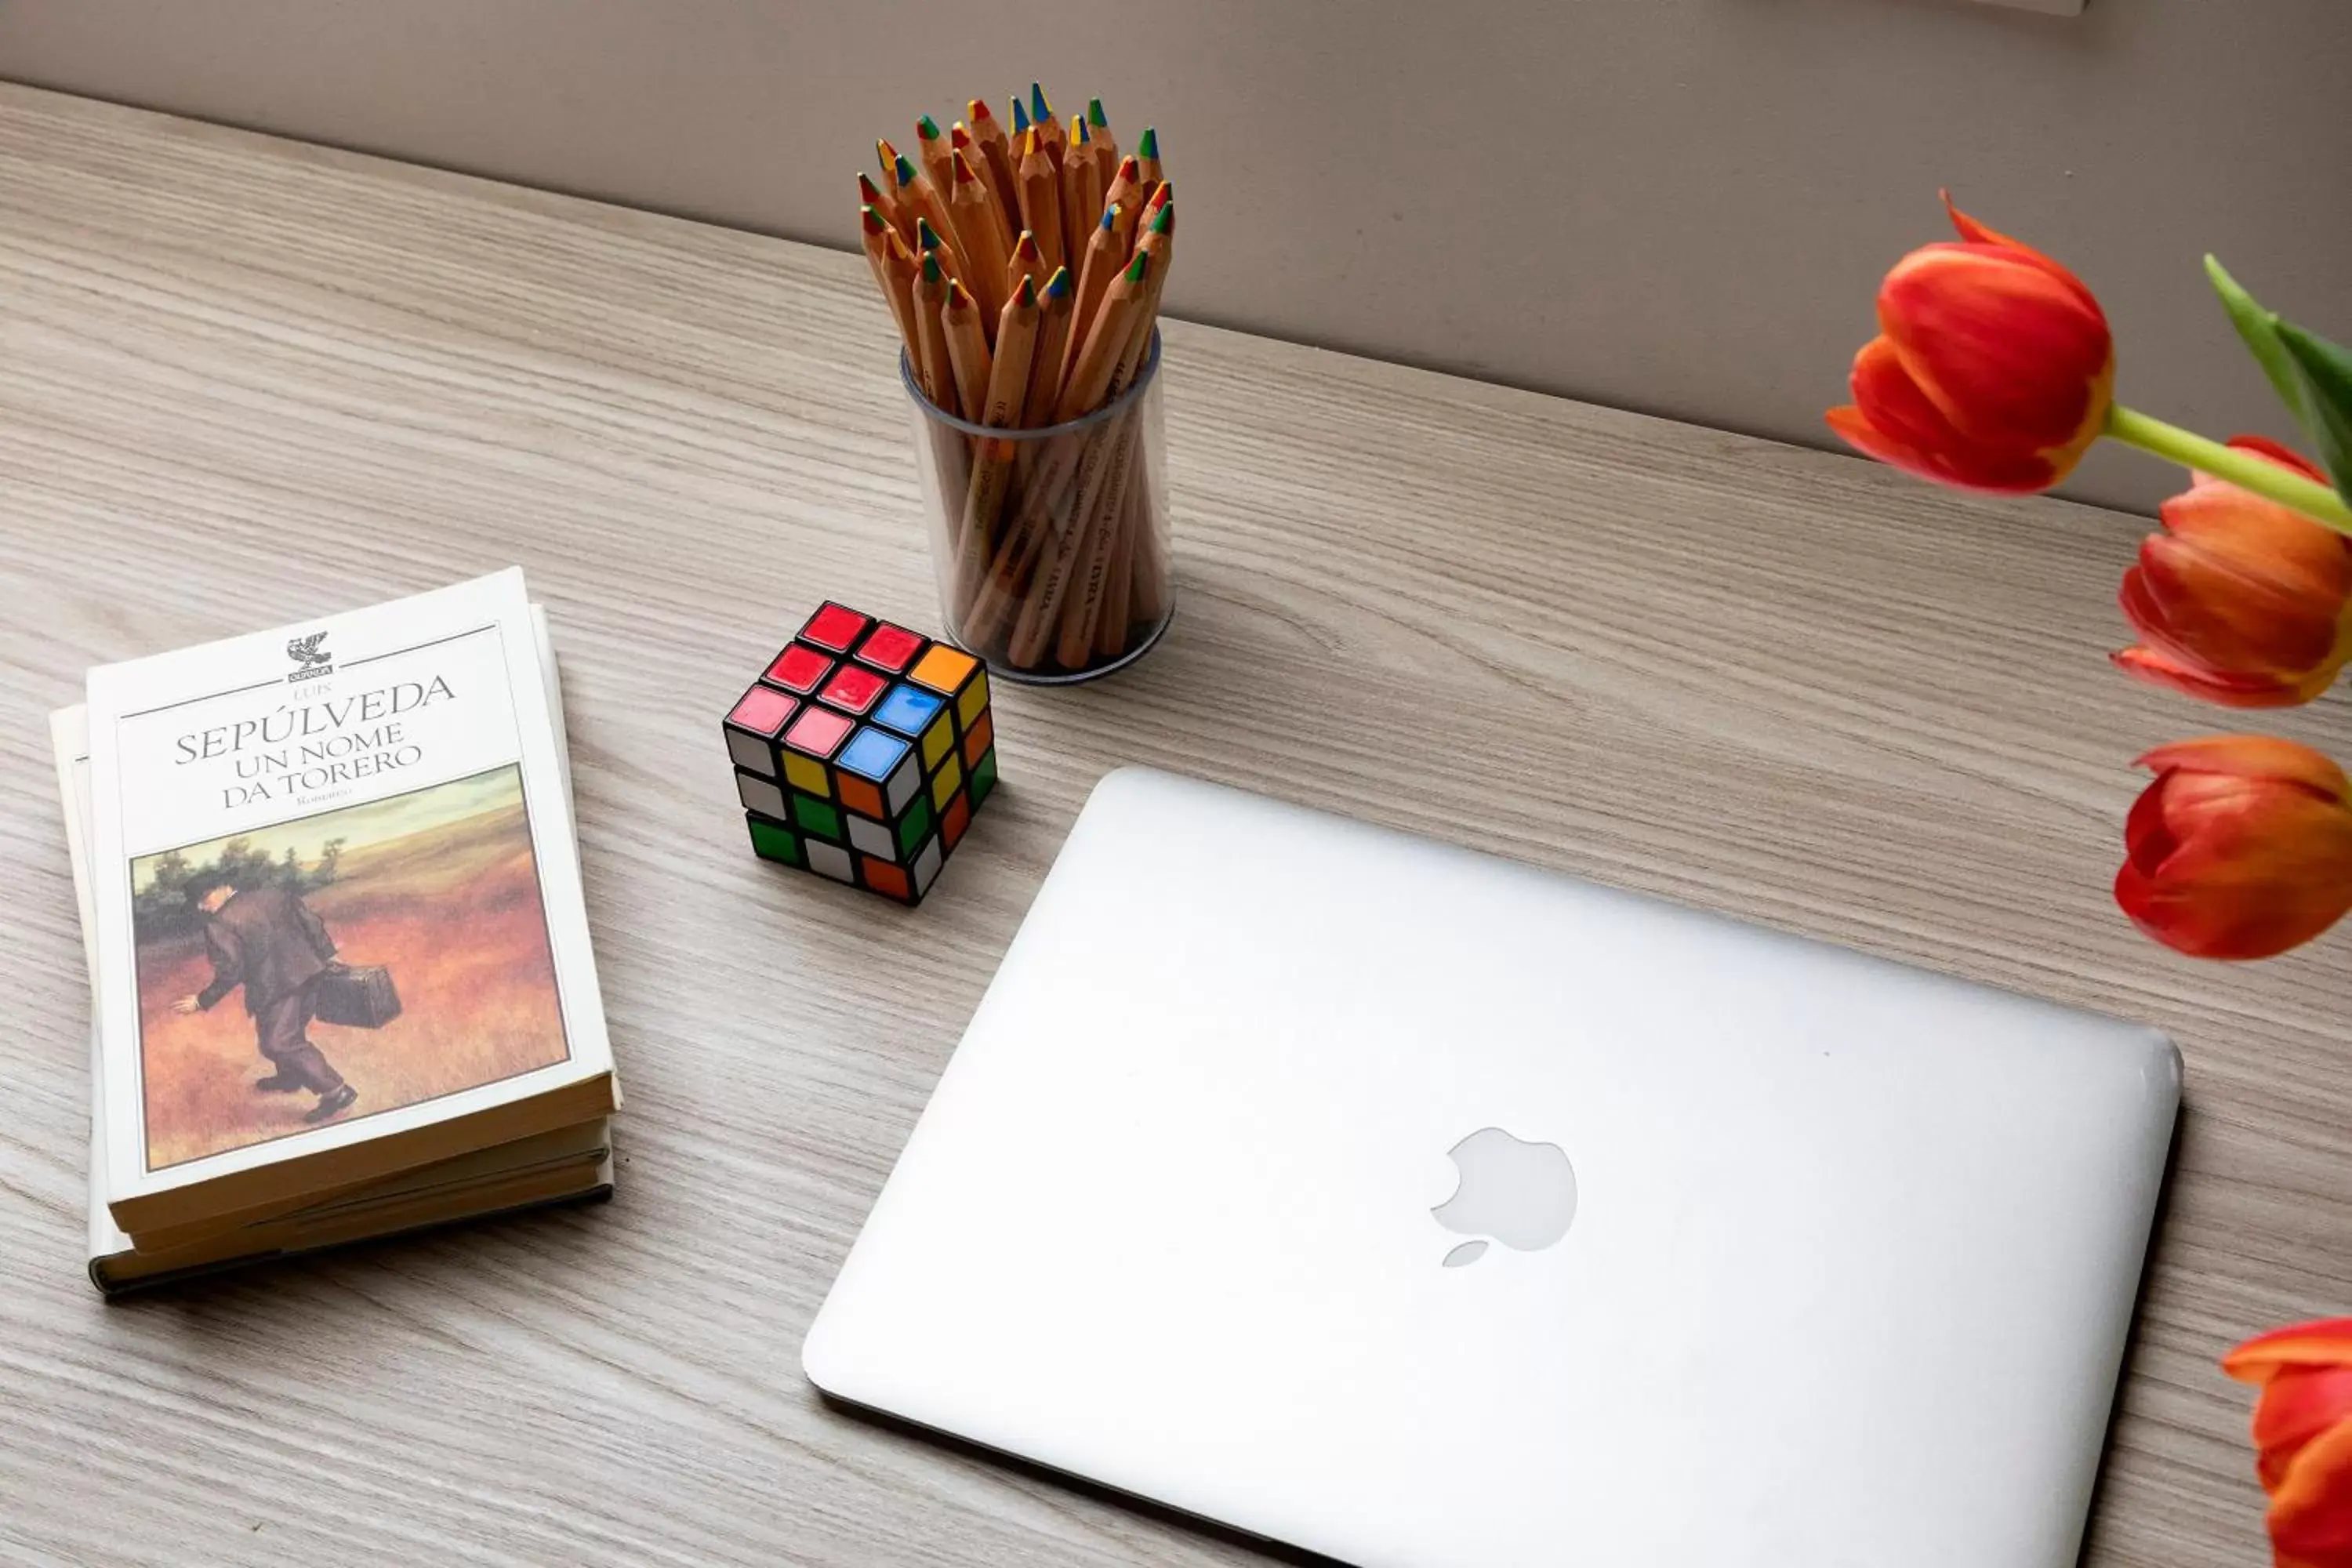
<point>241,380</point>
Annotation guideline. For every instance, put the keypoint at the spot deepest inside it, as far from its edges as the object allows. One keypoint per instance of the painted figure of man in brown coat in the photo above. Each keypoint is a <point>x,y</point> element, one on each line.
<point>265,939</point>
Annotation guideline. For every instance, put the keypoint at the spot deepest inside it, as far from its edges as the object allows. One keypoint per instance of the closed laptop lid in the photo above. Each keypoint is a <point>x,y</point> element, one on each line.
<point>1413,1207</point>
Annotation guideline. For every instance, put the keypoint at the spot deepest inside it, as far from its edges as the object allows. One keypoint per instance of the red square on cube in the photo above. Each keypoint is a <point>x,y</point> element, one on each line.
<point>818,732</point>
<point>954,820</point>
<point>835,626</point>
<point>798,668</point>
<point>891,647</point>
<point>884,877</point>
<point>853,689</point>
<point>762,710</point>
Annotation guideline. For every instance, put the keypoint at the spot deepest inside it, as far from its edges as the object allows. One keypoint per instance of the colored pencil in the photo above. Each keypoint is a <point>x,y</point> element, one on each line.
<point>967,348</point>
<point>1028,262</point>
<point>927,201</point>
<point>1082,189</point>
<point>992,475</point>
<point>929,241</point>
<point>1037,620</point>
<point>1008,221</point>
<point>1147,153</point>
<point>982,228</point>
<point>932,148</point>
<point>996,155</point>
<point>1100,539</point>
<point>1041,199</point>
<point>1054,315</point>
<point>873,196</point>
<point>1049,130</point>
<point>933,370</point>
<point>1104,257</point>
<point>880,241</point>
<point>1126,192</point>
<point>1104,144</point>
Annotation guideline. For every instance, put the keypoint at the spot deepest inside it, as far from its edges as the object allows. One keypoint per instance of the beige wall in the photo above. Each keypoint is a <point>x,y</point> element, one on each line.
<point>1677,206</point>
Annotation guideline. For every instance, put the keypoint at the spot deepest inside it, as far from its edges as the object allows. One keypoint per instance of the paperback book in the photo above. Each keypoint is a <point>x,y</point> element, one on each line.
<point>341,969</point>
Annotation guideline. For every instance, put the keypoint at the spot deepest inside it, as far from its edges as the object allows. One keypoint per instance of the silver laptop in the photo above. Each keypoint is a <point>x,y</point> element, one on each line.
<point>1409,1205</point>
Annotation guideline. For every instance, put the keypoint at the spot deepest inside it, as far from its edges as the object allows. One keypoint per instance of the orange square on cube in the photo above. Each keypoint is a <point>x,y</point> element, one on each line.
<point>859,795</point>
<point>944,670</point>
<point>955,819</point>
<point>977,742</point>
<point>884,877</point>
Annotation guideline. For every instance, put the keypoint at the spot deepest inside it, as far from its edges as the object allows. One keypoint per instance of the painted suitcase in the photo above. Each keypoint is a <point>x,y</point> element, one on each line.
<point>358,995</point>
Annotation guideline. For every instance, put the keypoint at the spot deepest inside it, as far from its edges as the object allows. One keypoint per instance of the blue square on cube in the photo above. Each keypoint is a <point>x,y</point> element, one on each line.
<point>908,709</point>
<point>871,754</point>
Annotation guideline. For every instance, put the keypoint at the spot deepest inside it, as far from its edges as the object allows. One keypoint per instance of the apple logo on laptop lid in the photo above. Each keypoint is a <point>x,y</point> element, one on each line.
<point>1520,1194</point>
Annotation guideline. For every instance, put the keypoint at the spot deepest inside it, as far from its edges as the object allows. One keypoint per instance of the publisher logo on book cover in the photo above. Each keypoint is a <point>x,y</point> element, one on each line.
<point>315,661</point>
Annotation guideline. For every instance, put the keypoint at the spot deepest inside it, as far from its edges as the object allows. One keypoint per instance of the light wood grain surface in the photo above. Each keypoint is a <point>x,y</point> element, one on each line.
<point>242,381</point>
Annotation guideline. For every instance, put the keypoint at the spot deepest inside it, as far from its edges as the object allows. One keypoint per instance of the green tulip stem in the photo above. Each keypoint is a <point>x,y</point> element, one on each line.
<point>2243,469</point>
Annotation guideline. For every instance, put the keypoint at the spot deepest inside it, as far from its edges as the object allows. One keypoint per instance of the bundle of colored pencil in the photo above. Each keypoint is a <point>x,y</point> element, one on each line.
<point>1024,272</point>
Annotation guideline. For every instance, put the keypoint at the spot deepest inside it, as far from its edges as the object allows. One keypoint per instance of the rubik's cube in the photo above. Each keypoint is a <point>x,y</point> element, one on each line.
<point>862,752</point>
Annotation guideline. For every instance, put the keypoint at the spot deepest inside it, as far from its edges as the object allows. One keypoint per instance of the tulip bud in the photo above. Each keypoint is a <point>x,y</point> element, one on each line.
<point>2241,849</point>
<point>1993,368</point>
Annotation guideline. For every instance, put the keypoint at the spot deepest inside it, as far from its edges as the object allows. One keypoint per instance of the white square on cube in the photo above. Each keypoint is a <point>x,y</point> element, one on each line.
<point>750,751</point>
<point>903,783</point>
<point>870,837</point>
<point>830,860</point>
<point>760,795</point>
<point>926,866</point>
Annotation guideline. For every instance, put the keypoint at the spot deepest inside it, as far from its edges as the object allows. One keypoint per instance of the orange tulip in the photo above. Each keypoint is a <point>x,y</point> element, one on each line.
<point>2241,849</point>
<point>2302,1438</point>
<point>2240,600</point>
<point>1994,369</point>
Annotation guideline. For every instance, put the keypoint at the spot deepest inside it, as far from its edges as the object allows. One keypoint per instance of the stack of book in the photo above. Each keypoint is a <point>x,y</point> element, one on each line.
<point>332,910</point>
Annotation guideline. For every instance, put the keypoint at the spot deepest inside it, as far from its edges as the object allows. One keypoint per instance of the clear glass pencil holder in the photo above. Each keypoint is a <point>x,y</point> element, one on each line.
<point>1051,545</point>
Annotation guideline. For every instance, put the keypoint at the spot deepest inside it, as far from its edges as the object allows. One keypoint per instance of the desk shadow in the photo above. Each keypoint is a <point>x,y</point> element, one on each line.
<point>1193,1524</point>
<point>2156,1235</point>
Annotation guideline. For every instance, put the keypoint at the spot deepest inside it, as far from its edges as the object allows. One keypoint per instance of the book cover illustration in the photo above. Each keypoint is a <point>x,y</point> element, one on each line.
<point>341,964</point>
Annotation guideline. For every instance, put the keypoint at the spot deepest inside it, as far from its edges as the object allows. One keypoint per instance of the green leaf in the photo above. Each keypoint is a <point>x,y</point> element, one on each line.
<point>2325,371</point>
<point>2260,329</point>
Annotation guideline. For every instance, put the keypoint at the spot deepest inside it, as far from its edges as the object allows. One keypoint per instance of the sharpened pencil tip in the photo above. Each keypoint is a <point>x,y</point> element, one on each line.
<point>1083,133</point>
<point>1138,267</point>
<point>1029,289</point>
<point>871,221</point>
<point>1166,222</point>
<point>931,273</point>
<point>1095,115</point>
<point>1149,147</point>
<point>928,129</point>
<point>1110,217</point>
<point>906,170</point>
<point>925,235</point>
<point>977,110</point>
<point>958,137</point>
<point>867,189</point>
<point>963,174</point>
<point>958,295</point>
<point>1029,143</point>
<point>1020,116</point>
<point>1039,109</point>
<point>1058,284</point>
<point>1129,169</point>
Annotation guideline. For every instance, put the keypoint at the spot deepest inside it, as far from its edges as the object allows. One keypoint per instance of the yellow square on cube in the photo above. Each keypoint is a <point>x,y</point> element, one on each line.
<point>808,774</point>
<point>975,697</point>
<point>943,787</point>
<point>939,739</point>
